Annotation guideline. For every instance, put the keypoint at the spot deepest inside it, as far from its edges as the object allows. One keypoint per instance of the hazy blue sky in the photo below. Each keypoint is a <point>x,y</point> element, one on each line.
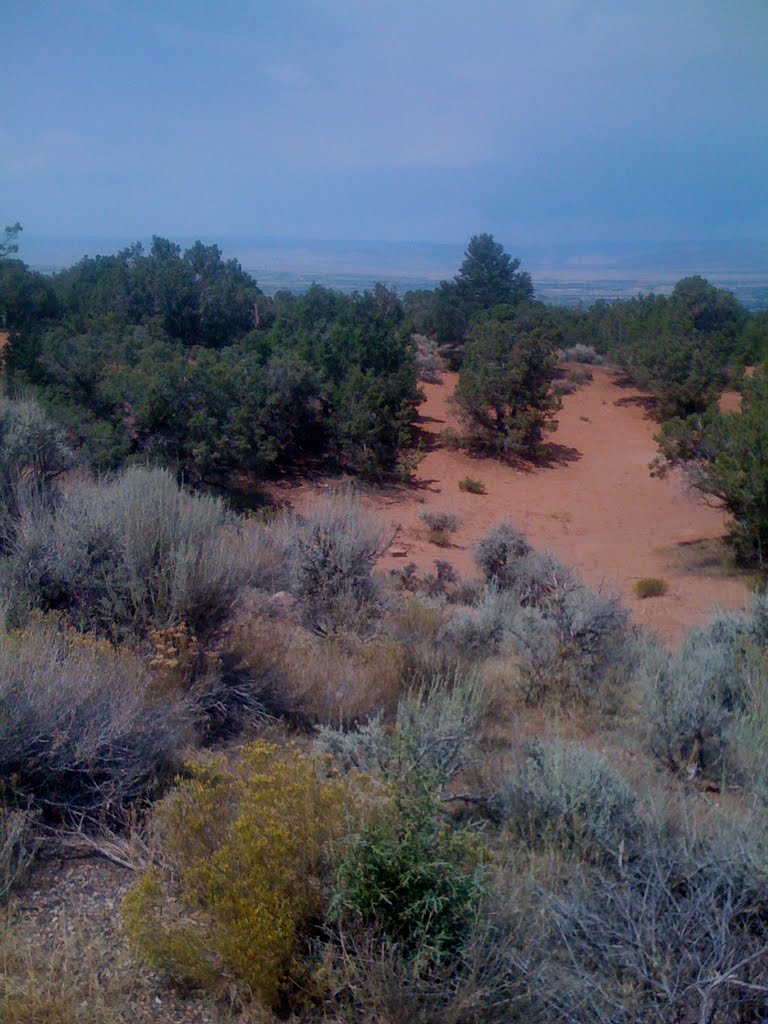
<point>576,120</point>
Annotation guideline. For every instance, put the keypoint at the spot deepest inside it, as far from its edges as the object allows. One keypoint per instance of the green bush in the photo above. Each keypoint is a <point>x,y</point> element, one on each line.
<point>725,457</point>
<point>505,397</point>
<point>414,879</point>
<point>471,486</point>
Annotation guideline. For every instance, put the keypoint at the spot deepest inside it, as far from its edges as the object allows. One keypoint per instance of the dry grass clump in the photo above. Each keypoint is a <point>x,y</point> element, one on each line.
<point>19,844</point>
<point>246,859</point>
<point>440,538</point>
<point>650,586</point>
<point>60,985</point>
<point>471,486</point>
<point>335,678</point>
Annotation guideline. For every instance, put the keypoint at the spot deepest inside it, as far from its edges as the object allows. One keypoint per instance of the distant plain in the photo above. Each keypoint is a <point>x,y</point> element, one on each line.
<point>562,273</point>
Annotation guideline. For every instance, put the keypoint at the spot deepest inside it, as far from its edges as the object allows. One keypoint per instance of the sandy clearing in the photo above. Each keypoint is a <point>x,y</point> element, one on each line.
<point>598,509</point>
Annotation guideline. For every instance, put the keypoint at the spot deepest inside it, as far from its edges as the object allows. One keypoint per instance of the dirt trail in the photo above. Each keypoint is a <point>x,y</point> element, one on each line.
<point>597,508</point>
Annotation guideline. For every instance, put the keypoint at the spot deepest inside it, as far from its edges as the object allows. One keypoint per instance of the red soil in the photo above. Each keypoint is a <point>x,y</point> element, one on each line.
<point>597,508</point>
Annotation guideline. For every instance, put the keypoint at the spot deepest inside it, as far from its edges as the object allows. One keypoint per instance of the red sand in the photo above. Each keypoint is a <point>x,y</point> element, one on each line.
<point>601,512</point>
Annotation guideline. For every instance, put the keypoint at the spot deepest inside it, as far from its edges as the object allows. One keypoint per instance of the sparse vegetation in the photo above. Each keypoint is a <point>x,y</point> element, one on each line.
<point>382,832</point>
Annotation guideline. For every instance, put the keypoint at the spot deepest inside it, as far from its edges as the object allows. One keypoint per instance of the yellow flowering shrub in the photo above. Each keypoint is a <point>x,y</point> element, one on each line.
<point>245,857</point>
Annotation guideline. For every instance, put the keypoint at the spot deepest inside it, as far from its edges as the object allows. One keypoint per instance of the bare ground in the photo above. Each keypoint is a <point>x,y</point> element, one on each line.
<point>596,506</point>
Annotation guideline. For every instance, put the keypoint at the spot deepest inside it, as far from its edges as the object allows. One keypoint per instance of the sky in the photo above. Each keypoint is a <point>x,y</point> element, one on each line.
<point>568,120</point>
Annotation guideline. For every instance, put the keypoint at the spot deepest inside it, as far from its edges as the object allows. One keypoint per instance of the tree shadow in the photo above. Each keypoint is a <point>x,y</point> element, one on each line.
<point>648,403</point>
<point>550,455</point>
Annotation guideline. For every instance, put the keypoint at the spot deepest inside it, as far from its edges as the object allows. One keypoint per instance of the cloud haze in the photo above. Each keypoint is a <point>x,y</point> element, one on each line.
<point>552,119</point>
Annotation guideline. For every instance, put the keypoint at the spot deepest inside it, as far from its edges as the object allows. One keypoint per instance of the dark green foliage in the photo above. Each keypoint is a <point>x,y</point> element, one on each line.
<point>27,298</point>
<point>505,397</point>
<point>197,298</point>
<point>9,246</point>
<point>488,277</point>
<point>755,339</point>
<point>726,456</point>
<point>413,878</point>
<point>181,359</point>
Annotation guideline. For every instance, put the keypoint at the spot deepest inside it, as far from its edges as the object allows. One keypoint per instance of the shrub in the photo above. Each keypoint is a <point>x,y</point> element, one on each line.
<point>477,631</point>
<point>19,843</point>
<point>33,454</point>
<point>445,522</point>
<point>331,554</point>
<point>691,698</point>
<point>429,365</point>
<point>498,553</point>
<point>414,879</point>
<point>581,354</point>
<point>686,929</point>
<point>81,733</point>
<point>434,734</point>
<point>579,376</point>
<point>439,537</point>
<point>471,486</point>
<point>650,586</point>
<point>569,798</point>
<point>246,854</point>
<point>569,637</point>
<point>135,553</point>
<point>504,397</point>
